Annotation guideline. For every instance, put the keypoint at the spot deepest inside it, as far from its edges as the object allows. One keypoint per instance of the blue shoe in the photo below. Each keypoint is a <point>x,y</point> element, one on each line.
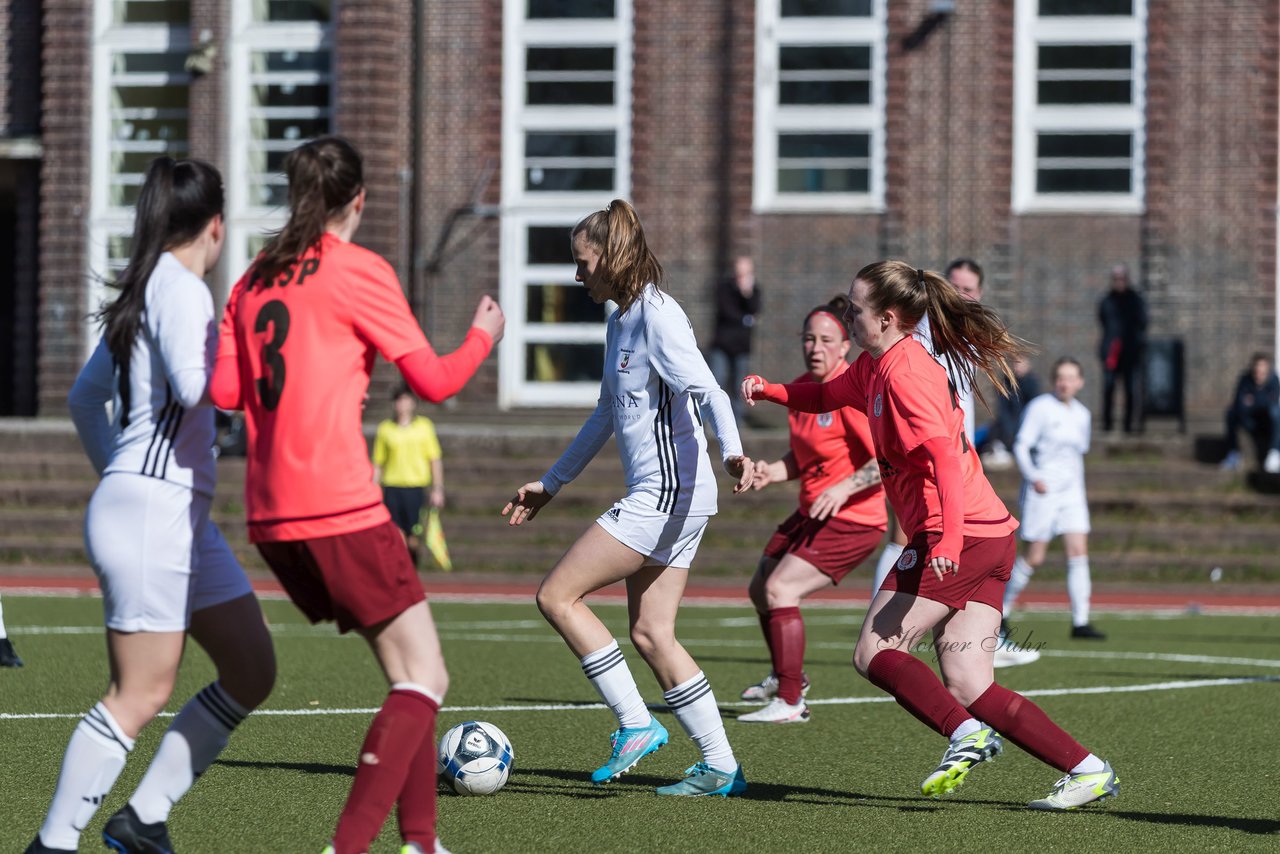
<point>125,833</point>
<point>629,747</point>
<point>702,779</point>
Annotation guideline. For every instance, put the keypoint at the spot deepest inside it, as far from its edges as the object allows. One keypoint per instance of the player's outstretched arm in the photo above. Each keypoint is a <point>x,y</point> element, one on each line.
<point>436,378</point>
<point>528,500</point>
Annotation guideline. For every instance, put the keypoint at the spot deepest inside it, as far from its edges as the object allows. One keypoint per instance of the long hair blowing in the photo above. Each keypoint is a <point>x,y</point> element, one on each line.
<point>177,200</point>
<point>969,334</point>
<point>325,175</point>
<point>625,259</point>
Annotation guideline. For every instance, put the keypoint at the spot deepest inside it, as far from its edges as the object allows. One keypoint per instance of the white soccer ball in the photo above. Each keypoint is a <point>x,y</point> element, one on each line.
<point>475,758</point>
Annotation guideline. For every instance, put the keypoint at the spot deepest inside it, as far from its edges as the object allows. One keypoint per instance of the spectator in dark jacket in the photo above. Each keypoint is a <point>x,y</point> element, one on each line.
<point>737,305</point>
<point>1256,409</point>
<point>1122,314</point>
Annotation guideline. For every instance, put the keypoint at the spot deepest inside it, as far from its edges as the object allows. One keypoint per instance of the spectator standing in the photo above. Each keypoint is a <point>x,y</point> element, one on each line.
<point>1122,316</point>
<point>407,461</point>
<point>1255,409</point>
<point>737,306</point>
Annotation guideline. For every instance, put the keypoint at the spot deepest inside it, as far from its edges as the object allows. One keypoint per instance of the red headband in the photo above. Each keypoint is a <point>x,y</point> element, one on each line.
<point>839,322</point>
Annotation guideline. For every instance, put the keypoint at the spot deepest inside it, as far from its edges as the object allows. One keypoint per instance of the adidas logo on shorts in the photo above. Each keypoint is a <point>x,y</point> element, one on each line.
<point>614,513</point>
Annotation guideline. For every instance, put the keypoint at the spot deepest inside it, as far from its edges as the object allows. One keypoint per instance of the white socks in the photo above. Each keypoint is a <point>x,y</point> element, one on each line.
<point>194,739</point>
<point>696,710</point>
<point>967,728</point>
<point>94,759</point>
<point>1089,765</point>
<point>608,672</point>
<point>884,565</point>
<point>3,634</point>
<point>1022,572</point>
<point>1079,588</point>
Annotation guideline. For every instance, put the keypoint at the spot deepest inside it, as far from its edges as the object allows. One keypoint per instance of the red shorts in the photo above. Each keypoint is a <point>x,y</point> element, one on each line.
<point>834,546</point>
<point>358,579</point>
<point>985,564</point>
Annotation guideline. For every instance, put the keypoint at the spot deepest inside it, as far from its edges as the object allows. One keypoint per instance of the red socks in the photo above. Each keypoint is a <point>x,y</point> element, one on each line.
<point>400,740</point>
<point>784,631</point>
<point>918,690</point>
<point>1026,725</point>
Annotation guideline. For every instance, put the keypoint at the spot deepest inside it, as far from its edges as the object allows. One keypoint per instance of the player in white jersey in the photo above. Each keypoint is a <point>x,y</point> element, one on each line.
<point>1050,449</point>
<point>656,391</point>
<point>965,275</point>
<point>164,568</point>
<point>8,655</point>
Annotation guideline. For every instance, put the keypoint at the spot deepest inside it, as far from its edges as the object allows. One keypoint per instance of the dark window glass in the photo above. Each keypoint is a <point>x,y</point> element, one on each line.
<point>173,12</point>
<point>319,11</point>
<point>570,8</point>
<point>824,145</point>
<point>824,163</point>
<point>824,180</point>
<point>1086,7</point>
<point>826,8</point>
<point>561,303</point>
<point>561,75</point>
<point>563,363</point>
<point>1085,145</point>
<point>569,162</point>
<point>825,74</point>
<point>1085,74</point>
<point>548,244</point>
<point>1085,56</point>
<point>1084,180</point>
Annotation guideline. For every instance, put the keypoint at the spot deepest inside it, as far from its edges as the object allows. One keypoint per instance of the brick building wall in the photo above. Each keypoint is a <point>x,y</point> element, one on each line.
<point>64,198</point>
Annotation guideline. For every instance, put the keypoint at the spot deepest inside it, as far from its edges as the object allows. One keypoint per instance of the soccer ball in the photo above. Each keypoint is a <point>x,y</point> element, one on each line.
<point>475,758</point>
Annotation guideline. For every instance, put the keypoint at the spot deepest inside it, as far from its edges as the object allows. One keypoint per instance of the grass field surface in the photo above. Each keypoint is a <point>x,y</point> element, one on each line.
<point>1182,705</point>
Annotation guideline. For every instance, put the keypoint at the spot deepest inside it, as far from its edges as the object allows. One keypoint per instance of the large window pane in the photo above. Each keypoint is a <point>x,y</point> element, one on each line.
<point>563,75</point>
<point>283,11</point>
<point>569,162</point>
<point>824,163</point>
<point>171,12</point>
<point>563,363</point>
<point>561,303</point>
<point>825,74</point>
<point>289,104</point>
<point>549,244</point>
<point>1086,7</point>
<point>570,9</point>
<point>1085,74</point>
<point>826,8</point>
<point>1084,163</point>
<point>148,117</point>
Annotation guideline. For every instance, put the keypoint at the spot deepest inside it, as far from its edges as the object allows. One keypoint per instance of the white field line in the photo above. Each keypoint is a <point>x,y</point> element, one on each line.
<point>830,701</point>
<point>733,601</point>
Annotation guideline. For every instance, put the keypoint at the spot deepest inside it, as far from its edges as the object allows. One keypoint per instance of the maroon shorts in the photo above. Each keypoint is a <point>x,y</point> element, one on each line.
<point>834,546</point>
<point>358,579</point>
<point>985,564</point>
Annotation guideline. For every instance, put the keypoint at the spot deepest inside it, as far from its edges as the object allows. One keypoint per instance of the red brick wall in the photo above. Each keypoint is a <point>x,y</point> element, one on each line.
<point>64,195</point>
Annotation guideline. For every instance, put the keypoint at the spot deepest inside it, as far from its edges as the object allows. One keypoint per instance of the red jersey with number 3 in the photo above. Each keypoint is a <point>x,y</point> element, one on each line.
<point>908,400</point>
<point>305,347</point>
<point>829,447</point>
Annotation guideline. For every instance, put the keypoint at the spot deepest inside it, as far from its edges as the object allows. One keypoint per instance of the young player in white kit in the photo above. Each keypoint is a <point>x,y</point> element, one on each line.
<point>164,568</point>
<point>656,391</point>
<point>1050,449</point>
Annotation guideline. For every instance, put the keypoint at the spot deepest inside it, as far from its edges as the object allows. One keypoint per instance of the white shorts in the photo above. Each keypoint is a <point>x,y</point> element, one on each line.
<point>156,554</point>
<point>663,539</point>
<point>1046,516</point>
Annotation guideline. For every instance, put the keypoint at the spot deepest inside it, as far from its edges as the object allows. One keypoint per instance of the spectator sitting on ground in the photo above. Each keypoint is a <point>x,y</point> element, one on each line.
<point>1255,408</point>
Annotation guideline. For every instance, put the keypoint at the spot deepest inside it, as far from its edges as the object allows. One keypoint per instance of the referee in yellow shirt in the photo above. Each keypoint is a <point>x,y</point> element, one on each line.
<point>407,460</point>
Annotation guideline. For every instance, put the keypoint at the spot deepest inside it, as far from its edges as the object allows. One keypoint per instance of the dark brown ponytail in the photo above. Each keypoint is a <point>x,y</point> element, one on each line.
<point>325,175</point>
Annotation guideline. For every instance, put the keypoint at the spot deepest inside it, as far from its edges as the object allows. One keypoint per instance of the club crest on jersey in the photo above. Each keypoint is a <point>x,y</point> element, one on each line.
<point>907,560</point>
<point>879,405</point>
<point>825,419</point>
<point>626,359</point>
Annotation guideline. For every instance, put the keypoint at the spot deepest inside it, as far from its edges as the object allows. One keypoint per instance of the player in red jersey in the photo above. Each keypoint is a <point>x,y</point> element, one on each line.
<point>951,577</point>
<point>298,342</point>
<point>841,518</point>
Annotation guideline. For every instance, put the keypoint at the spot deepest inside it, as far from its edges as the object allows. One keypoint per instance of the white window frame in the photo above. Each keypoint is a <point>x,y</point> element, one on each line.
<point>245,217</point>
<point>1031,119</point>
<point>521,208</point>
<point>105,220</point>
<point>772,118</point>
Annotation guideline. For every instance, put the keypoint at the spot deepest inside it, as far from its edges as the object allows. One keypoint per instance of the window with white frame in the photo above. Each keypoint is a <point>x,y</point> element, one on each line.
<point>280,92</point>
<point>566,146</point>
<point>140,112</point>
<point>1079,134</point>
<point>819,117</point>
